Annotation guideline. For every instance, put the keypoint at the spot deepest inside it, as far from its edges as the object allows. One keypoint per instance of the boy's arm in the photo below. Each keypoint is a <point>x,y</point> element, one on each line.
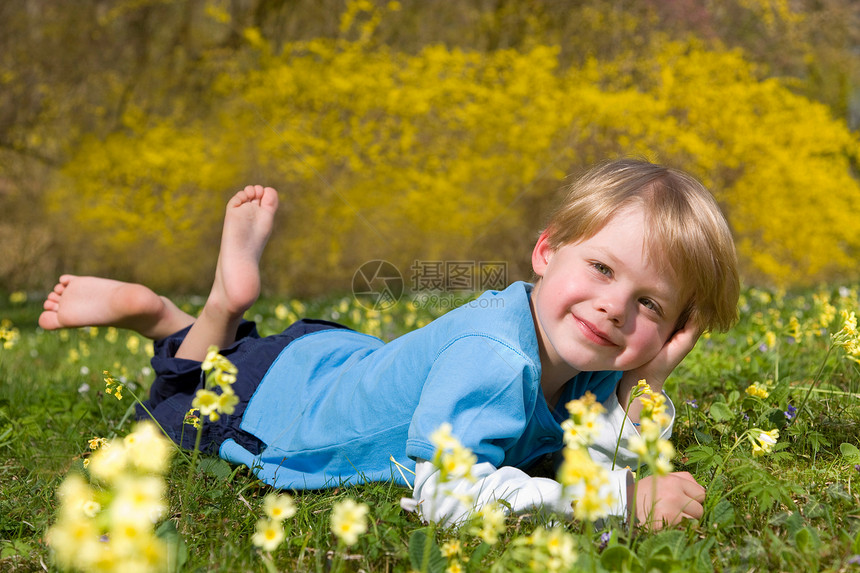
<point>453,502</point>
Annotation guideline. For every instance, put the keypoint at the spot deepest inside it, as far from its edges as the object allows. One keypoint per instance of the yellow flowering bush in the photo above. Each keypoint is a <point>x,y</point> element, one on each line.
<point>452,154</point>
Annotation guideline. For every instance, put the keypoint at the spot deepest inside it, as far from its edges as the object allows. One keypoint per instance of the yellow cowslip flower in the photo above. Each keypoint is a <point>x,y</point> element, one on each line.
<point>138,499</point>
<point>762,442</point>
<point>133,344</point>
<point>770,339</point>
<point>581,427</point>
<point>191,418</point>
<point>559,543</point>
<point>758,390</point>
<point>492,522</point>
<point>651,448</point>
<point>74,494</point>
<point>442,438</point>
<point>147,448</point>
<point>8,334</point>
<point>206,401</point>
<point>349,520</point>
<point>454,567</point>
<point>452,458</point>
<point>227,402</point>
<point>452,548</point>
<point>794,329</point>
<point>112,385</point>
<point>96,443</point>
<point>215,361</point>
<point>577,467</point>
<point>279,506</point>
<point>112,334</point>
<point>107,464</point>
<point>268,534</point>
<point>282,313</point>
<point>594,503</point>
<point>18,297</point>
<point>75,542</point>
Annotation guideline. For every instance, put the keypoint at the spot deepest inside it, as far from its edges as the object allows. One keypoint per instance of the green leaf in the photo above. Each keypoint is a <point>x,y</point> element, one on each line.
<point>702,437</point>
<point>215,467</point>
<point>850,452</point>
<point>177,551</point>
<point>720,412</point>
<point>618,558</point>
<point>424,554</point>
<point>723,514</point>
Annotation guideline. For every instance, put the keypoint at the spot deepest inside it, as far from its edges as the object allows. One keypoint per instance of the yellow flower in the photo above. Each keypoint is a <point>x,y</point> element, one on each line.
<point>227,402</point>
<point>279,506</point>
<point>452,548</point>
<point>215,361</point>
<point>492,518</point>
<point>454,460</point>
<point>268,535</point>
<point>138,499</point>
<point>281,312</point>
<point>191,418</point>
<point>107,464</point>
<point>594,503</point>
<point>758,390</point>
<point>112,385</point>
<point>147,448</point>
<point>442,438</point>
<point>74,494</point>
<point>581,426</point>
<point>349,520</point>
<point>762,442</point>
<point>794,329</point>
<point>18,297</point>
<point>206,401</point>
<point>454,567</point>
<point>96,443</point>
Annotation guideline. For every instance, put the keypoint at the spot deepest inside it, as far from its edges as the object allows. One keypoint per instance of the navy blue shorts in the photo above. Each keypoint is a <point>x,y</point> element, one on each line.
<point>178,379</point>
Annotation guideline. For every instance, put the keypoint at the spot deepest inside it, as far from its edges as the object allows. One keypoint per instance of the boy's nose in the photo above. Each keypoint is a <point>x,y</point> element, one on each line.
<point>614,309</point>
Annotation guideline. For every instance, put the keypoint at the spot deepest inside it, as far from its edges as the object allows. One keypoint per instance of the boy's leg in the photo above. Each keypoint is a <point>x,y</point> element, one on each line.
<point>93,301</point>
<point>248,223</point>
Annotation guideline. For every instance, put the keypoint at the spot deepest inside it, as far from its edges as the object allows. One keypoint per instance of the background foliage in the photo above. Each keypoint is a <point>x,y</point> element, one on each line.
<point>411,130</point>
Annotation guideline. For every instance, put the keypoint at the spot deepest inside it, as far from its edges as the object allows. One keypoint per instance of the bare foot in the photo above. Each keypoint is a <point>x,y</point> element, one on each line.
<point>93,301</point>
<point>247,225</point>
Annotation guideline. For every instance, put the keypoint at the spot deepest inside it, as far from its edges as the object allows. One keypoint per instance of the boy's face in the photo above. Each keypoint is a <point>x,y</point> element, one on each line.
<point>601,304</point>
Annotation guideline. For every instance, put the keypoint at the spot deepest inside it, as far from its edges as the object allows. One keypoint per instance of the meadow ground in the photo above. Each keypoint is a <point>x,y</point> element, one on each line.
<point>788,366</point>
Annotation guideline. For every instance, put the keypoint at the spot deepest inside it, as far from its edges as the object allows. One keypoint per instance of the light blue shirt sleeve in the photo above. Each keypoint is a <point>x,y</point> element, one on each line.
<point>485,389</point>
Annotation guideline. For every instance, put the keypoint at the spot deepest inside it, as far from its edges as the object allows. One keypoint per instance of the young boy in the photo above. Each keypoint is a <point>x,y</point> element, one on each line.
<point>633,266</point>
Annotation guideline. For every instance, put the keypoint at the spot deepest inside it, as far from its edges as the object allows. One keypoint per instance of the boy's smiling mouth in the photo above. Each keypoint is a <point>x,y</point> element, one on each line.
<point>593,333</point>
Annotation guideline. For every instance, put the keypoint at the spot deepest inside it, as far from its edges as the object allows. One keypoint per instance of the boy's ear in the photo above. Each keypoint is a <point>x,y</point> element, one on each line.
<point>541,254</point>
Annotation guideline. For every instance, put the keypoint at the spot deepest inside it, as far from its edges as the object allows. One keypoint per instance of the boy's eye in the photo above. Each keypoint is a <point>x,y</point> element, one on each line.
<point>602,269</point>
<point>649,304</point>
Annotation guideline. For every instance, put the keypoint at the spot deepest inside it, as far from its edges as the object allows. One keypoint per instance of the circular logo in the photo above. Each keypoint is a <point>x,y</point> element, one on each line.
<point>377,285</point>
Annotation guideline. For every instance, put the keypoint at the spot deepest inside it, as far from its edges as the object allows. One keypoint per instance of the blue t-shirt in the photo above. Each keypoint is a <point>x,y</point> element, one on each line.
<point>337,406</point>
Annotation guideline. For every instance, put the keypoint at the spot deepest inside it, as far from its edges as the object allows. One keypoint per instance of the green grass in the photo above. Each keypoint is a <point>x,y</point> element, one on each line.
<point>796,509</point>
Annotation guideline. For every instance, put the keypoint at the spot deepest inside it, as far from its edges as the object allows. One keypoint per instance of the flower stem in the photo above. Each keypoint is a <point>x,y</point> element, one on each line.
<point>814,382</point>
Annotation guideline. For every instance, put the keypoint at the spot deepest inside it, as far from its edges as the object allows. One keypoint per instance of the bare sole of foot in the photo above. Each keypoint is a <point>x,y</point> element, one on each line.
<point>248,222</point>
<point>93,301</point>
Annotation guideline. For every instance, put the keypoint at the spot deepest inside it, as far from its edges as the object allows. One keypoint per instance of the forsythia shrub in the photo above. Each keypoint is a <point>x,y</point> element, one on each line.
<point>446,154</point>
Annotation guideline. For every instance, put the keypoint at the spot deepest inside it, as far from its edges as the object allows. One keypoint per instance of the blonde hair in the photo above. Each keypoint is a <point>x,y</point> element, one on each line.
<point>686,232</point>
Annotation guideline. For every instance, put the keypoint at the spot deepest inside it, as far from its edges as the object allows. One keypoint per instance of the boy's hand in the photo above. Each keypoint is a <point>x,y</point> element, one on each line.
<point>656,370</point>
<point>666,500</point>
